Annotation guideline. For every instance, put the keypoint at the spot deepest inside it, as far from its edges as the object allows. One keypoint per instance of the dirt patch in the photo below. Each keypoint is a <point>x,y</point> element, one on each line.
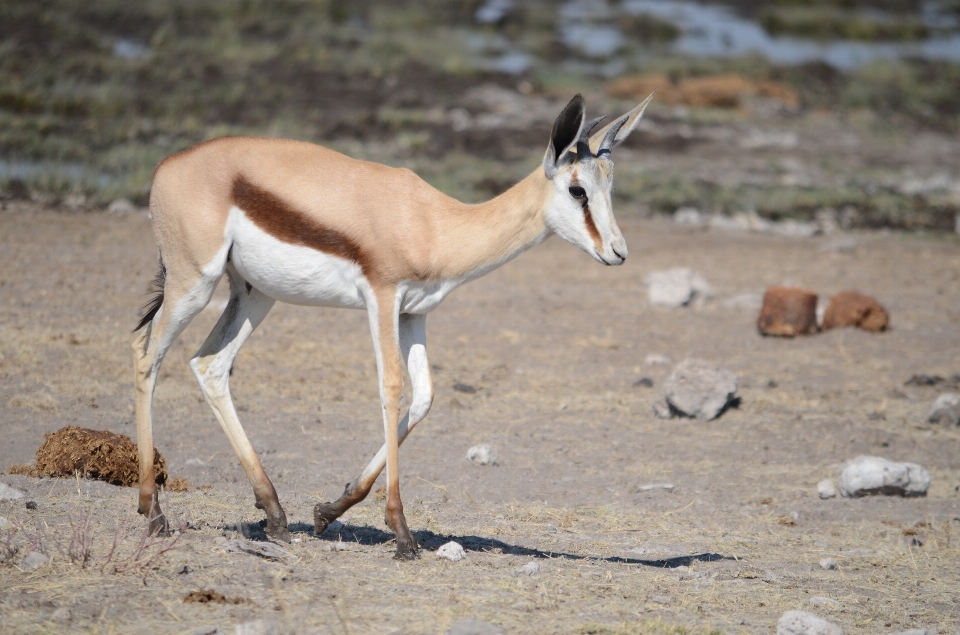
<point>96,454</point>
<point>718,91</point>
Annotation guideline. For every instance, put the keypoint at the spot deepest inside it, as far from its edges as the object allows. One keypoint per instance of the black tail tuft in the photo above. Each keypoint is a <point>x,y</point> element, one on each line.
<point>153,305</point>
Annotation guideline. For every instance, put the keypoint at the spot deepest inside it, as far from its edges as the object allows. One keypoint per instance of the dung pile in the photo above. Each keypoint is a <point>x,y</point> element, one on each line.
<point>96,454</point>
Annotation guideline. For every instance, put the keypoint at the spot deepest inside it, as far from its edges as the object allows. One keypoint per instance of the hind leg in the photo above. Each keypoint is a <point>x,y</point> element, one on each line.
<point>212,364</point>
<point>181,302</point>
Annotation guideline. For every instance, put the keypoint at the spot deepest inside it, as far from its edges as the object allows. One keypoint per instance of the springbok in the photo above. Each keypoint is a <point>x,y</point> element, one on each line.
<point>296,222</point>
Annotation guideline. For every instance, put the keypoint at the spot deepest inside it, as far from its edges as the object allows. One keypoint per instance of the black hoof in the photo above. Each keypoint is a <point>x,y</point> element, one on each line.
<point>158,526</point>
<point>323,515</point>
<point>407,554</point>
<point>279,532</point>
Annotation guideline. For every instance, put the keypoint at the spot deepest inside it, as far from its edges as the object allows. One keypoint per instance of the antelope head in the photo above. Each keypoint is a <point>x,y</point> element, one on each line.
<point>580,168</point>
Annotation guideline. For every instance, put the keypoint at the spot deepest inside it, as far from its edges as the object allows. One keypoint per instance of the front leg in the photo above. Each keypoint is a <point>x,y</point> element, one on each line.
<point>384,326</point>
<point>413,346</point>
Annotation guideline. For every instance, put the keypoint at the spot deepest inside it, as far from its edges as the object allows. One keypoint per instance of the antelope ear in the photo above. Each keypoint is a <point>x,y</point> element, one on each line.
<point>566,131</point>
<point>629,122</point>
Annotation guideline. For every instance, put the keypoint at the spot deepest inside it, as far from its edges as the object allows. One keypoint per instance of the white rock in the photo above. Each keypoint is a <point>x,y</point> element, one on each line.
<point>828,564</point>
<point>688,216</point>
<point>482,454</point>
<point>656,359</point>
<point>529,569</point>
<point>677,287</point>
<point>866,475</point>
<point>946,409</point>
<point>803,623</point>
<point>8,493</point>
<point>697,388</point>
<point>3,522</point>
<point>452,551</point>
<point>33,560</point>
<point>826,489</point>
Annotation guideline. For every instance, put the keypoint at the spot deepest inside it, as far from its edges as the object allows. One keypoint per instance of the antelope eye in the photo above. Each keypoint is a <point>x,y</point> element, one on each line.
<point>578,192</point>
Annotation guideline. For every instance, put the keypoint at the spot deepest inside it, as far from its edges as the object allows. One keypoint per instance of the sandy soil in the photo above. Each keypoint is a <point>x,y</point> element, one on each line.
<point>553,345</point>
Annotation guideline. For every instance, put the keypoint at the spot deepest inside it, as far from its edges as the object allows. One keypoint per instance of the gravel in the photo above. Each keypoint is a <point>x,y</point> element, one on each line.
<point>803,623</point>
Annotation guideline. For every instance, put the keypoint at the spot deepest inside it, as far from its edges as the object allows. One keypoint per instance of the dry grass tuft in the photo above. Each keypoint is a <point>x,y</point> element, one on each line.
<point>178,484</point>
<point>209,596</point>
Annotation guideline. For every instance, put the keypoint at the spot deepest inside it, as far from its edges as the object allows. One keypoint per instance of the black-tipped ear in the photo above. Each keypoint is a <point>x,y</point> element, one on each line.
<point>566,129</point>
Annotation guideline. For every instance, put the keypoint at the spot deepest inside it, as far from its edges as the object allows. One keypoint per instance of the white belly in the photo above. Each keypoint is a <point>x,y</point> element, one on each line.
<point>292,273</point>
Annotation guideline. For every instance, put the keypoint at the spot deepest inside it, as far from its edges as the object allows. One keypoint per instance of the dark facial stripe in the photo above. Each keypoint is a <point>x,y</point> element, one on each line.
<point>592,227</point>
<point>279,219</point>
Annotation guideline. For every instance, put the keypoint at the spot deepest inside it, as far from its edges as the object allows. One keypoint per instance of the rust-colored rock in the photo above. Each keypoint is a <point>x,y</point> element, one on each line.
<point>96,454</point>
<point>849,308</point>
<point>788,311</point>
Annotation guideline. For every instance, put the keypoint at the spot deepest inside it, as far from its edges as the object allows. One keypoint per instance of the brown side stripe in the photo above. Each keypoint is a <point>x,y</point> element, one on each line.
<point>279,219</point>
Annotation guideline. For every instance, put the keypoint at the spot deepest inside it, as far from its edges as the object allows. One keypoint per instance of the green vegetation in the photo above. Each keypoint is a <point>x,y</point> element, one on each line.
<point>828,23</point>
<point>94,94</point>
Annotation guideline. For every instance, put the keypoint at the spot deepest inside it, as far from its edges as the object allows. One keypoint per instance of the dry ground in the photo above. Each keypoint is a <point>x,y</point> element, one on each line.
<point>553,345</point>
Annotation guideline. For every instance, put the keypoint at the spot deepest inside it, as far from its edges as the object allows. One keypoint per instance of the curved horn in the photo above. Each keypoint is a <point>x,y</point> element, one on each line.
<point>607,144</point>
<point>583,143</point>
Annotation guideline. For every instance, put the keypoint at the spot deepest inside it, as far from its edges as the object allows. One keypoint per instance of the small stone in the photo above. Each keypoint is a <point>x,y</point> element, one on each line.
<point>551,529</point>
<point>826,489</point>
<point>828,564</point>
<point>643,382</point>
<point>256,627</point>
<point>32,505</point>
<point>529,569</point>
<point>803,623</point>
<point>34,560</point>
<point>652,486</point>
<point>688,216</point>
<point>788,312</point>
<point>207,630</point>
<point>267,550</point>
<point>697,388</point>
<point>656,359</point>
<point>946,409</point>
<point>471,626</point>
<point>819,600</point>
<point>452,551</point>
<point>62,614</point>
<point>677,287</point>
<point>8,493</point>
<point>482,454</point>
<point>851,308</point>
<point>661,598</point>
<point>662,409</point>
<point>868,475</point>
<point>123,206</point>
